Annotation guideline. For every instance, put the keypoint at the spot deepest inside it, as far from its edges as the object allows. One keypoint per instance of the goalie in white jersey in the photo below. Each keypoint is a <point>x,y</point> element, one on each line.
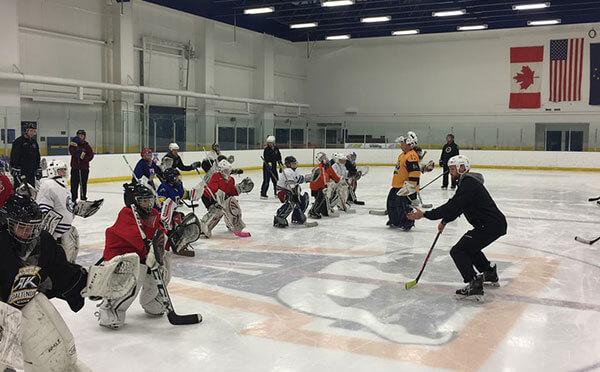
<point>288,191</point>
<point>54,199</point>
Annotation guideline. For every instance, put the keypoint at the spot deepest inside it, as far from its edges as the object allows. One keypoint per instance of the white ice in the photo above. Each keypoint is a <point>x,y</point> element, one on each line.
<point>332,297</point>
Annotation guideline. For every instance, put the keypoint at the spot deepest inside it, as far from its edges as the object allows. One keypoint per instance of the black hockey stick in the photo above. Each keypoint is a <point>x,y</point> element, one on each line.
<point>585,241</point>
<point>432,181</point>
<point>412,283</point>
<point>594,199</point>
<point>173,317</point>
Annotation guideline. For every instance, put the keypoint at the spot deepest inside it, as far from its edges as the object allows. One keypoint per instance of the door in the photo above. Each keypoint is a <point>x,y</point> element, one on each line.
<point>575,140</point>
<point>167,124</point>
<point>554,140</point>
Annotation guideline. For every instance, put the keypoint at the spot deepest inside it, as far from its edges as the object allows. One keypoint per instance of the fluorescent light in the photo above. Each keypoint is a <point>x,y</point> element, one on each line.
<point>269,9</point>
<point>338,37</point>
<point>543,23</point>
<point>449,13</point>
<point>405,32</point>
<point>337,3</point>
<point>376,19</point>
<point>531,6</point>
<point>472,27</point>
<point>304,25</point>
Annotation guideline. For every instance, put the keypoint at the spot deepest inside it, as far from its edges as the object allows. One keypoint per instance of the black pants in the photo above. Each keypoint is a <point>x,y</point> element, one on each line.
<point>467,253</point>
<point>398,207</point>
<point>29,178</point>
<point>269,174</point>
<point>76,181</point>
<point>446,175</point>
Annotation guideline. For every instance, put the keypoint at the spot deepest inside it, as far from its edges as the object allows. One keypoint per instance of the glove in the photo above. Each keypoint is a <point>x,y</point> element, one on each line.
<point>196,164</point>
<point>114,278</point>
<point>428,167</point>
<point>407,189</point>
<point>16,173</point>
<point>156,250</point>
<point>245,186</point>
<point>220,197</point>
<point>82,156</point>
<point>441,163</point>
<point>38,174</point>
<point>237,171</point>
<point>280,170</point>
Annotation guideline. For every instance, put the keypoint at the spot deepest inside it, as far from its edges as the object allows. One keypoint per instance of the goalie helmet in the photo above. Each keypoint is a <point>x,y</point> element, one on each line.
<point>172,176</point>
<point>351,156</point>
<point>399,139</point>
<point>457,161</point>
<point>411,139</point>
<point>271,139</point>
<point>23,217</point>
<point>289,160</point>
<point>224,167</point>
<point>140,196</point>
<point>53,169</point>
<point>216,148</point>
<point>339,158</point>
<point>321,157</point>
<point>146,154</point>
<point>173,146</point>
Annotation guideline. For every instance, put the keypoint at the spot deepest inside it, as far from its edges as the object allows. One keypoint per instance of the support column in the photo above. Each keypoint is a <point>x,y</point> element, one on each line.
<point>265,86</point>
<point>205,82</point>
<point>124,127</point>
<point>10,97</point>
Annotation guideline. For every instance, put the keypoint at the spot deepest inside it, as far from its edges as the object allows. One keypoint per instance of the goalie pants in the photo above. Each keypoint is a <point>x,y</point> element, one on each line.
<point>467,253</point>
<point>398,207</point>
<point>269,174</point>
<point>296,207</point>
<point>77,181</point>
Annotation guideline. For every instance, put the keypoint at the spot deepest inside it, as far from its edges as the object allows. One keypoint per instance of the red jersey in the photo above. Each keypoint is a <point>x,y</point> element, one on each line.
<point>217,182</point>
<point>327,173</point>
<point>6,189</point>
<point>124,236</point>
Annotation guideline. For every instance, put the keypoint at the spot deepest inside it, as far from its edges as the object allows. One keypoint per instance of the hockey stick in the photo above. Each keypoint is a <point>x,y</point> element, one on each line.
<point>412,283</point>
<point>173,317</point>
<point>432,181</point>
<point>594,199</point>
<point>423,204</point>
<point>585,241</point>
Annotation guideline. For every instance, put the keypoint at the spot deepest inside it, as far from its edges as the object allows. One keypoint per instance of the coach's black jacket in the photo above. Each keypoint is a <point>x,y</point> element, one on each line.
<point>473,200</point>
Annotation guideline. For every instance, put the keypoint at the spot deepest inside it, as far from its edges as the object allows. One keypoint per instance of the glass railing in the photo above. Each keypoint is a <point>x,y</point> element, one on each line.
<point>133,129</point>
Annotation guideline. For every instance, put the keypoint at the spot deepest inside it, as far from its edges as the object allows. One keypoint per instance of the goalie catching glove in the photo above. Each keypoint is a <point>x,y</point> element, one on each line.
<point>245,186</point>
<point>85,208</point>
<point>408,190</point>
<point>428,167</point>
<point>112,279</point>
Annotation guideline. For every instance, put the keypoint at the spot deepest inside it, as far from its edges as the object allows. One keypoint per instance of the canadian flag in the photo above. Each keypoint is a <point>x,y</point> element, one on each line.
<point>526,65</point>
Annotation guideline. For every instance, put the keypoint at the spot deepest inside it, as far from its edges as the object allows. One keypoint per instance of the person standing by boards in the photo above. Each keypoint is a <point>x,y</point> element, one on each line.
<point>449,150</point>
<point>81,155</point>
<point>271,157</point>
<point>25,158</point>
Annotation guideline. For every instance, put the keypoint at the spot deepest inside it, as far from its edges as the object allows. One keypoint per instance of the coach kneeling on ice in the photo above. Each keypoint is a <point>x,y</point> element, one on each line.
<point>474,201</point>
<point>33,336</point>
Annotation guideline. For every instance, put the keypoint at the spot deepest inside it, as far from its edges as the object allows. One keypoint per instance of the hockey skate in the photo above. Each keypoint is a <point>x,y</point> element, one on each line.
<point>472,291</point>
<point>279,222</point>
<point>490,277</point>
<point>359,202</point>
<point>186,251</point>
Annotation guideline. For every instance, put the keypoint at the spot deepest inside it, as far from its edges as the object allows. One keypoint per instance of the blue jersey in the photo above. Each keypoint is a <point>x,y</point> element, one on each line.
<point>142,168</point>
<point>175,193</point>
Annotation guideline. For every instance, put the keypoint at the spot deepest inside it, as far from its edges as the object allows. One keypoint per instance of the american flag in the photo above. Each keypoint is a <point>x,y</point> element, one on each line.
<point>566,64</point>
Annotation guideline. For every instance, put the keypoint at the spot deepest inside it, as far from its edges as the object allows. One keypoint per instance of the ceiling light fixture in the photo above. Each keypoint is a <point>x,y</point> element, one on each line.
<point>331,3</point>
<point>304,25</point>
<point>544,22</point>
<point>376,19</point>
<point>269,9</point>
<point>531,6</point>
<point>449,13</point>
<point>338,37</point>
<point>405,32</point>
<point>472,27</point>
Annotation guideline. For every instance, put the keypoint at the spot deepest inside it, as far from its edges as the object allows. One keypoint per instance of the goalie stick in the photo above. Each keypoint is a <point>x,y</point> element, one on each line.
<point>594,199</point>
<point>432,181</point>
<point>173,317</point>
<point>412,283</point>
<point>585,241</point>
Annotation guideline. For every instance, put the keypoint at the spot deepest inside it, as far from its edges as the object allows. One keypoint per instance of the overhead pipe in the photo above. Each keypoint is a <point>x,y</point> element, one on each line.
<point>26,78</point>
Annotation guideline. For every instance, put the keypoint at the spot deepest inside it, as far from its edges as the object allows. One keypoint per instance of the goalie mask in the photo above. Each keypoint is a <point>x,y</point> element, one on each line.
<point>172,176</point>
<point>321,157</point>
<point>57,169</point>
<point>216,148</point>
<point>146,154</point>
<point>411,139</point>
<point>291,162</point>
<point>140,196</point>
<point>23,217</point>
<point>339,158</point>
<point>351,156</point>
<point>224,168</point>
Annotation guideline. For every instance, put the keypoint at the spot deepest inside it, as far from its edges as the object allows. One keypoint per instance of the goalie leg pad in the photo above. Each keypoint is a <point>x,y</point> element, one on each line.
<point>166,212</point>
<point>188,231</point>
<point>150,298</point>
<point>70,243</point>
<point>48,345</point>
<point>298,215</point>
<point>111,312</point>
<point>11,353</point>
<point>285,210</point>
<point>51,219</point>
<point>211,219</point>
<point>233,214</point>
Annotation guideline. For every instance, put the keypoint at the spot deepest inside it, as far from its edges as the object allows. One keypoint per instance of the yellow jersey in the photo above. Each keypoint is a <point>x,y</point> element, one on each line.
<point>407,169</point>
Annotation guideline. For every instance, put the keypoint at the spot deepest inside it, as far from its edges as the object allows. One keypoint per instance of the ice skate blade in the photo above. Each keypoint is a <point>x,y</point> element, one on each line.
<point>376,212</point>
<point>474,298</point>
<point>492,284</point>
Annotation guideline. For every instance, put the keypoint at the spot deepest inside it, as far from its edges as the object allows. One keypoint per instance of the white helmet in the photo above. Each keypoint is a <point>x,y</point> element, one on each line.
<point>224,167</point>
<point>338,157</point>
<point>173,146</point>
<point>271,139</point>
<point>321,157</point>
<point>52,169</point>
<point>411,139</point>
<point>399,139</point>
<point>457,161</point>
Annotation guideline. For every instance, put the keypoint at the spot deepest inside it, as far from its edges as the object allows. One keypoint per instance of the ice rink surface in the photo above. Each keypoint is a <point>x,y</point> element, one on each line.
<point>332,298</point>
